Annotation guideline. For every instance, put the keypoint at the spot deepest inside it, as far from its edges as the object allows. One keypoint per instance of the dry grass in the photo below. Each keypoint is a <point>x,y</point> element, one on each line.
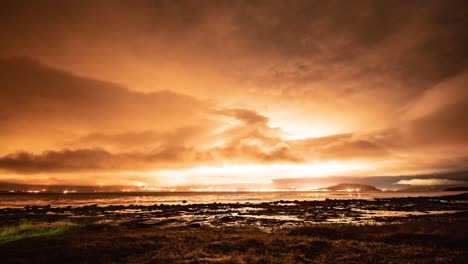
<point>429,241</point>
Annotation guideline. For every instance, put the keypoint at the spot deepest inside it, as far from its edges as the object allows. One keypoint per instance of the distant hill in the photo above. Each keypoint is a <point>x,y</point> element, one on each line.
<point>457,189</point>
<point>353,187</point>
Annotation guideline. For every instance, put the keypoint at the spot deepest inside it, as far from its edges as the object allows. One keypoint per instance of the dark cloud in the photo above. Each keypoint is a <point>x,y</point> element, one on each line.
<point>68,160</point>
<point>166,157</point>
<point>148,139</point>
<point>438,117</point>
<point>30,89</point>
<point>434,122</point>
<point>38,101</point>
<point>410,44</point>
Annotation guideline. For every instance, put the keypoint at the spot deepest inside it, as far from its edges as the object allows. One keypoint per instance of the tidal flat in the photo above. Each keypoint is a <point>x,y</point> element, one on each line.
<point>391,230</point>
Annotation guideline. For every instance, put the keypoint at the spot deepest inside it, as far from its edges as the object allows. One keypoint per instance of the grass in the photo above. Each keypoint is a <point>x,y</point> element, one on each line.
<point>439,240</point>
<point>25,230</point>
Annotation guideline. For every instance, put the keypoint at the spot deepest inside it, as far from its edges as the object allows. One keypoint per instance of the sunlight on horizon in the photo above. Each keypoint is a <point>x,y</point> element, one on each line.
<point>257,173</point>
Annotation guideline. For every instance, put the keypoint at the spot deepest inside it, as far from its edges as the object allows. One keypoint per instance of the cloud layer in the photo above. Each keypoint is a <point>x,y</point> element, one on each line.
<point>155,85</point>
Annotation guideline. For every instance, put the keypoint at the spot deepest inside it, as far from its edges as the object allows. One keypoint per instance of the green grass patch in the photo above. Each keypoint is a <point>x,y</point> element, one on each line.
<point>27,230</point>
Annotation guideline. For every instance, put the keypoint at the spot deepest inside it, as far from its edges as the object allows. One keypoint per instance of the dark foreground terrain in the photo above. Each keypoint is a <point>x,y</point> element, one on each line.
<point>402,238</point>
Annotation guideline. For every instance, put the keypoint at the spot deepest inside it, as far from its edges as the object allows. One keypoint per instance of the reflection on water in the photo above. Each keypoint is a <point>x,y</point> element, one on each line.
<point>268,211</point>
<point>374,216</point>
<point>19,200</point>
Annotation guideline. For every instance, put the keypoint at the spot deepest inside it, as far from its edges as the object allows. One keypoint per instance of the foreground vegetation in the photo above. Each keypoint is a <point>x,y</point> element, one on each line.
<point>440,239</point>
<point>26,230</point>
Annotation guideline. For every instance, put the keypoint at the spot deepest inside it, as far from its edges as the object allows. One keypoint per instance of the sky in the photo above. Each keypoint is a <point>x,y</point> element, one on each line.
<point>231,94</point>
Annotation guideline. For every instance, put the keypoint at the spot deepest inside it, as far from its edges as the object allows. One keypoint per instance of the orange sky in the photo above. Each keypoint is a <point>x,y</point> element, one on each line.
<point>219,93</point>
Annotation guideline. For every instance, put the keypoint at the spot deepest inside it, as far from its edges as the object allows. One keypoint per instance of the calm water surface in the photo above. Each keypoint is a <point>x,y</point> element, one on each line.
<point>17,200</point>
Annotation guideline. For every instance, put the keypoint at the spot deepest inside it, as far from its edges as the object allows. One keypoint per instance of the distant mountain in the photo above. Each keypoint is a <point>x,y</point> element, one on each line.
<point>353,187</point>
<point>457,189</point>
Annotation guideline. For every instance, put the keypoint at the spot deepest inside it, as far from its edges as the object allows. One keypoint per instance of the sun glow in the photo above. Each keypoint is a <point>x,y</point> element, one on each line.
<point>297,126</point>
<point>257,173</point>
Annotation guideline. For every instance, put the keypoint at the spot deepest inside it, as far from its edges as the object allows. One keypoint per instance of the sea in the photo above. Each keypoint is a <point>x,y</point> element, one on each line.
<point>21,199</point>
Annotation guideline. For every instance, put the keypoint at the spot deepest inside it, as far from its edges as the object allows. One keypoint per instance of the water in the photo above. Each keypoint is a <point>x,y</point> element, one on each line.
<point>19,200</point>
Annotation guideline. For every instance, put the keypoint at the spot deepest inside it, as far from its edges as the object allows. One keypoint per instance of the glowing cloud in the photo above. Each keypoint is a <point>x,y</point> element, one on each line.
<point>430,182</point>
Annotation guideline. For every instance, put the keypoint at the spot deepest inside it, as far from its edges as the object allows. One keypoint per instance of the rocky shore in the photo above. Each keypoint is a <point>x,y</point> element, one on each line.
<point>269,215</point>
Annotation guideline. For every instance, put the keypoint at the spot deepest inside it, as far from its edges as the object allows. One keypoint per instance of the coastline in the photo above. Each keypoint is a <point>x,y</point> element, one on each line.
<point>277,214</point>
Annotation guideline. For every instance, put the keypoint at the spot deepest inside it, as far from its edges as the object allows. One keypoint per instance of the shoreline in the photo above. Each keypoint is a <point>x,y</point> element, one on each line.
<point>268,215</point>
<point>20,200</point>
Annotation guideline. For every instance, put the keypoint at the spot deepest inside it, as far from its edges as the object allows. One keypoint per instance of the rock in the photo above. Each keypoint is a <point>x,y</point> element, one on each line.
<point>226,219</point>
